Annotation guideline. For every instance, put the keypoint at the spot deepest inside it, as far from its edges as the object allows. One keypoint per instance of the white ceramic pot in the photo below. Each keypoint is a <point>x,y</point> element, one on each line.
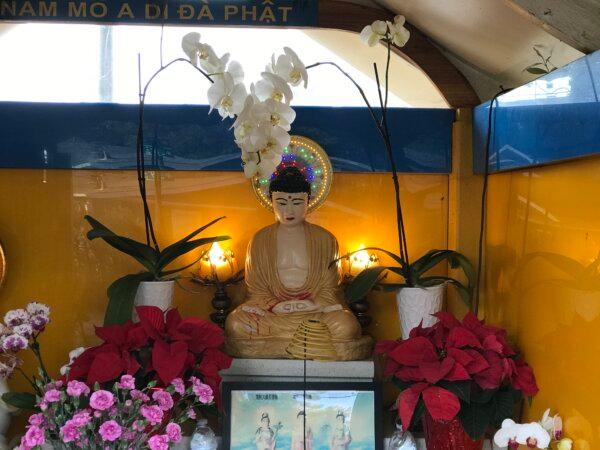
<point>417,304</point>
<point>154,293</point>
<point>4,416</point>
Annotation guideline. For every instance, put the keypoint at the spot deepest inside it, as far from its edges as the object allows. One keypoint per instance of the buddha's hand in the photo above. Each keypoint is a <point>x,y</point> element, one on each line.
<point>332,308</point>
<point>254,310</point>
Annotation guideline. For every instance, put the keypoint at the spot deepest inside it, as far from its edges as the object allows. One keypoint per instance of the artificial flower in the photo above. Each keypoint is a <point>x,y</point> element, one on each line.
<point>226,96</point>
<point>289,67</point>
<point>276,113</point>
<point>274,87</point>
<point>399,34</point>
<point>372,34</point>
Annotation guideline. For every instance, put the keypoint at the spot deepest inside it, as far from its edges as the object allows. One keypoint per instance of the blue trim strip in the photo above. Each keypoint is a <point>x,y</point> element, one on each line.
<point>550,119</point>
<point>102,136</point>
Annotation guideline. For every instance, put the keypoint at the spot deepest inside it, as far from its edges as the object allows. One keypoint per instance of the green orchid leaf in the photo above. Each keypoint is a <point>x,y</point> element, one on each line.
<point>360,286</point>
<point>177,250</point>
<point>465,294</point>
<point>389,287</point>
<point>167,251</point>
<point>21,400</point>
<point>536,71</point>
<point>426,262</point>
<point>458,260</point>
<point>395,257</point>
<point>142,253</point>
<point>435,257</point>
<point>166,273</point>
<point>121,294</point>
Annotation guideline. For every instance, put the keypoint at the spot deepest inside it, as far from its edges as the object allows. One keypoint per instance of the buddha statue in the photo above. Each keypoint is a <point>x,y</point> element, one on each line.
<point>290,279</point>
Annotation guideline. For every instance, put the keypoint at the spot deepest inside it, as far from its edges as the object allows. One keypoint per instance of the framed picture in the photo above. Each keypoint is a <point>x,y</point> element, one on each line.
<point>281,415</point>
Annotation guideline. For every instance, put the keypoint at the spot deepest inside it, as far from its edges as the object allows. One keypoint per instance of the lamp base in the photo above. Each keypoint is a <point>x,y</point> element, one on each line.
<point>222,304</point>
<point>360,308</point>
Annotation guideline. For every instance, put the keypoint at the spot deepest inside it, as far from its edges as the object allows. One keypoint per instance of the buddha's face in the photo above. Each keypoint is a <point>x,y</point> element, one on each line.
<point>290,208</point>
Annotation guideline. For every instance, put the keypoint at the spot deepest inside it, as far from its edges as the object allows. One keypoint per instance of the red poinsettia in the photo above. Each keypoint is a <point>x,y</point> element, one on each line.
<point>448,364</point>
<point>163,346</point>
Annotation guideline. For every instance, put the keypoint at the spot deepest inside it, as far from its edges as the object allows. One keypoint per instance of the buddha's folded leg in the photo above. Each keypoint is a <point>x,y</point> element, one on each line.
<point>342,325</point>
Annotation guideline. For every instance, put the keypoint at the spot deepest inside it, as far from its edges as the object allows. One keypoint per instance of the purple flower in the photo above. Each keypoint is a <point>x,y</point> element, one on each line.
<point>202,391</point>
<point>24,330</point>
<point>69,432</point>
<point>34,308</point>
<point>173,432</point>
<point>164,400</point>
<point>179,386</point>
<point>36,419</point>
<point>38,322</point>
<point>110,431</point>
<point>76,388</point>
<point>159,442</point>
<point>139,395</point>
<point>152,413</point>
<point>127,382</point>
<point>14,342</point>
<point>34,436</point>
<point>191,413</point>
<point>16,317</point>
<point>81,418</point>
<point>51,396</point>
<point>102,400</point>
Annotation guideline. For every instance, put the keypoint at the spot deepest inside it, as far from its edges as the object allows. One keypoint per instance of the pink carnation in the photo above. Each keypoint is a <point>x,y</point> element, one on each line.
<point>110,431</point>
<point>202,391</point>
<point>76,388</point>
<point>127,382</point>
<point>179,386</point>
<point>173,432</point>
<point>152,413</point>
<point>36,419</point>
<point>81,418</point>
<point>102,400</point>
<point>69,431</point>
<point>159,442</point>
<point>164,400</point>
<point>53,395</point>
<point>139,395</point>
<point>34,436</point>
<point>191,413</point>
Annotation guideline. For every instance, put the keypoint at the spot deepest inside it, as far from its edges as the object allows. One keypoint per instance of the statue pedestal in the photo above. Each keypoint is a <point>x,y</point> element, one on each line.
<point>292,370</point>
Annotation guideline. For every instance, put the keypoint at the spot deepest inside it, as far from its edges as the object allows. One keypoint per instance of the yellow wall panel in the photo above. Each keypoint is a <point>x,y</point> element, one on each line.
<point>51,260</point>
<point>555,321</point>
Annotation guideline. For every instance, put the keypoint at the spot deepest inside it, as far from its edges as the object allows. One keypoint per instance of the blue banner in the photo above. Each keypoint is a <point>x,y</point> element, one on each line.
<point>277,13</point>
<point>186,137</point>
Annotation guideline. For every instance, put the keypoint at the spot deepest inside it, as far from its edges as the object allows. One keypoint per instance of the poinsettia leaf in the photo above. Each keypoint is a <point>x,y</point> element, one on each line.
<point>462,389</point>
<point>401,384</point>
<point>418,414</point>
<point>504,404</point>
<point>169,359</point>
<point>407,403</point>
<point>476,418</point>
<point>441,403</point>
<point>121,294</point>
<point>483,396</point>
<point>21,400</point>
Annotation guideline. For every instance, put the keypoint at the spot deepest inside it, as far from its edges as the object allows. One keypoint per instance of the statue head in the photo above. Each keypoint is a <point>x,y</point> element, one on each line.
<point>264,420</point>
<point>290,193</point>
<point>340,417</point>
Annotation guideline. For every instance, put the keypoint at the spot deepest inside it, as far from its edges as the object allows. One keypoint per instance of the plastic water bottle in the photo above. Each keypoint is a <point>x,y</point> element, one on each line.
<point>402,440</point>
<point>204,438</point>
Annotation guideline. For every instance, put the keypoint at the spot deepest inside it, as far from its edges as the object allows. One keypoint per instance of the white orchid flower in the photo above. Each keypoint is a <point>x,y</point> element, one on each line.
<point>289,67</point>
<point>399,34</point>
<point>210,62</point>
<point>506,436</point>
<point>226,96</point>
<point>191,45</point>
<point>564,444</point>
<point>236,70</point>
<point>263,169</point>
<point>372,34</point>
<point>269,141</point>
<point>246,121</point>
<point>552,425</point>
<point>278,114</point>
<point>273,86</point>
<point>533,435</point>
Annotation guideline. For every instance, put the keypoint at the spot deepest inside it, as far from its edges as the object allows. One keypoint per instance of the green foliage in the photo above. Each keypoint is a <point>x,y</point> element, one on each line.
<point>414,274</point>
<point>543,67</point>
<point>121,293</point>
<point>21,400</point>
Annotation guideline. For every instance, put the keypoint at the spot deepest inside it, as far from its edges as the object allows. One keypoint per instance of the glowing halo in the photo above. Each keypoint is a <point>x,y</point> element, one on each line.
<point>312,160</point>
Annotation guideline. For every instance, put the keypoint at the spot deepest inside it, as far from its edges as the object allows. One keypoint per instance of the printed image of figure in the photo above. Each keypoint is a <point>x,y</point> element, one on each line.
<point>298,434</point>
<point>265,436</point>
<point>341,438</point>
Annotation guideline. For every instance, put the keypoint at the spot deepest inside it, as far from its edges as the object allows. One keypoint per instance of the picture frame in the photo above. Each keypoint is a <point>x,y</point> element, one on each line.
<point>268,415</point>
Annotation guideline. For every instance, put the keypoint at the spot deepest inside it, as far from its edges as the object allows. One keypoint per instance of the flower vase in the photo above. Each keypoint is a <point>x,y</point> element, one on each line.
<point>416,304</point>
<point>154,293</point>
<point>440,435</point>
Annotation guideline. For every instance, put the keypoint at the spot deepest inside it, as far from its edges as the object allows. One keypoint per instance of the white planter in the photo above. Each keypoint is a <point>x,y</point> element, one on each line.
<point>5,411</point>
<point>154,293</point>
<point>417,304</point>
